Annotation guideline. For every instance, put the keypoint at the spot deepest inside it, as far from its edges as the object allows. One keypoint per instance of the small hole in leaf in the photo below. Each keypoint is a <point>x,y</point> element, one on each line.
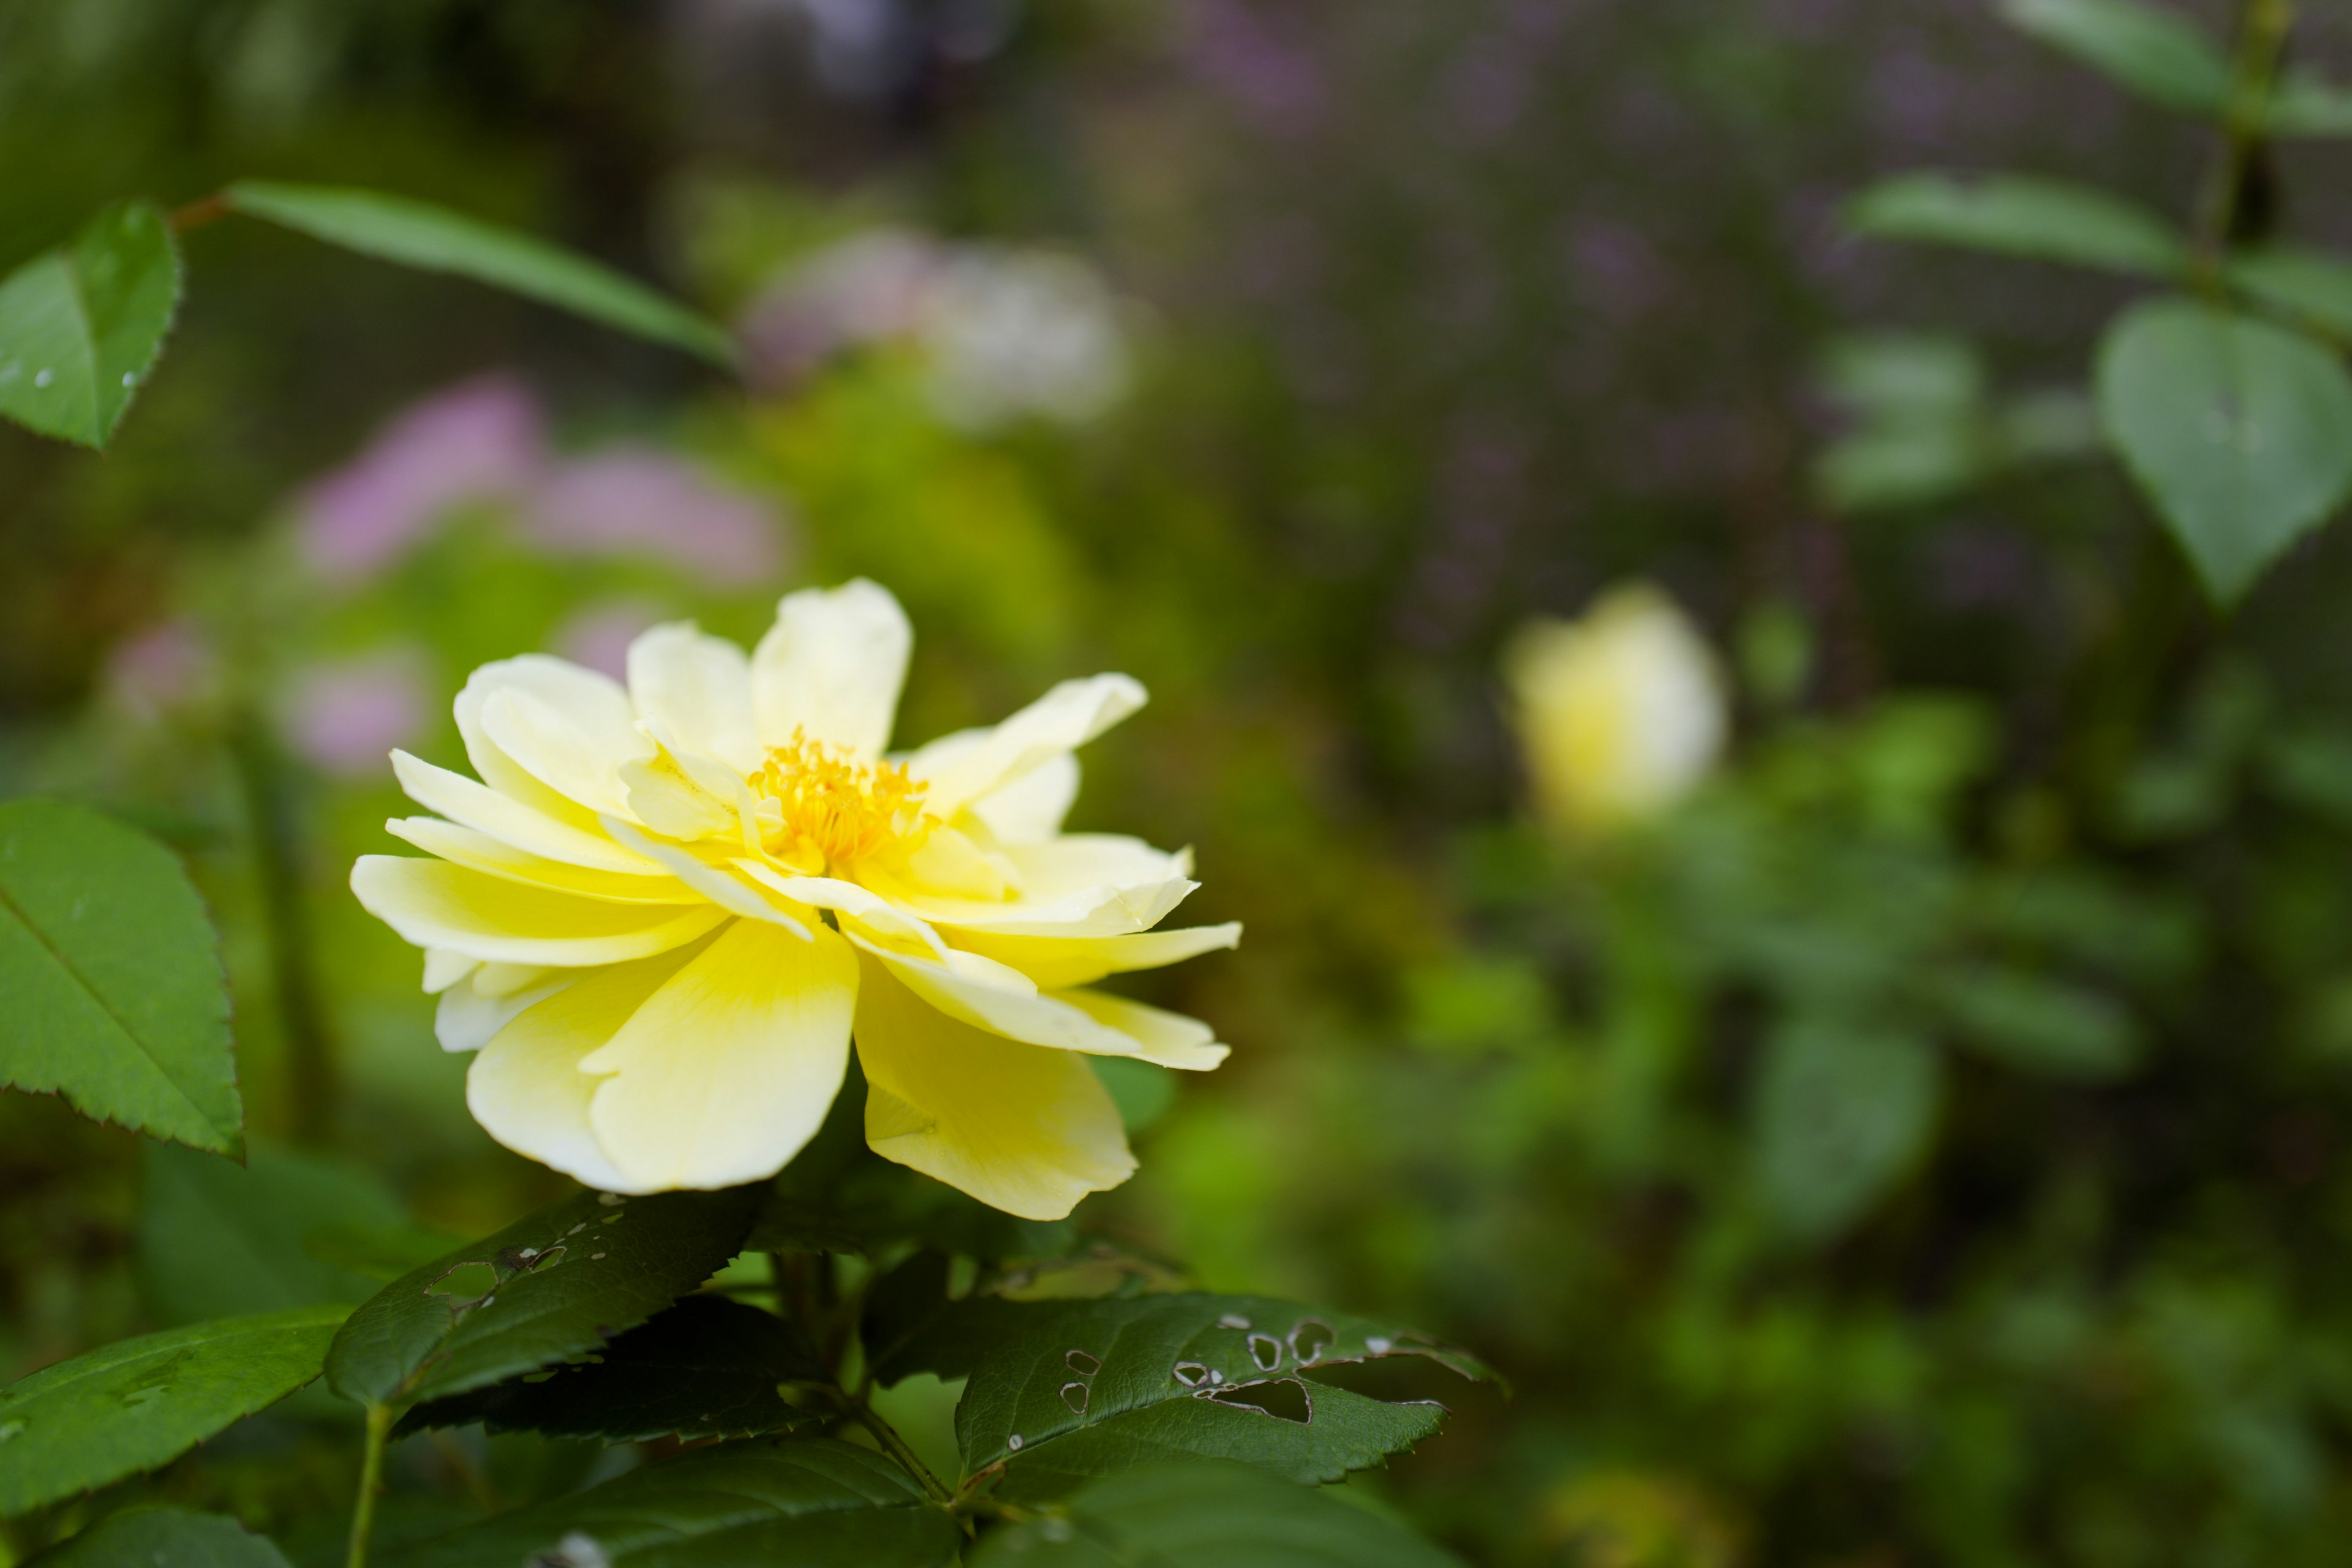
<point>1266,1351</point>
<point>464,1284</point>
<point>1311,1339</point>
<point>1283,1398</point>
<point>1074,1395</point>
<point>1191,1374</point>
<point>1082,1363</point>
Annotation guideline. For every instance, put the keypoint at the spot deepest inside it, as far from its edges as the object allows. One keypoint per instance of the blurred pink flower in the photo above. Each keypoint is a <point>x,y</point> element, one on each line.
<point>163,668</point>
<point>482,439</point>
<point>863,289</point>
<point>598,636</point>
<point>344,717</point>
<point>634,501</point>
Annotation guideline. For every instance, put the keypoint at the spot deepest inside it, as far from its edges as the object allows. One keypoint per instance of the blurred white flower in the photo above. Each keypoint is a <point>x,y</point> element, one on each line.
<point>1621,713</point>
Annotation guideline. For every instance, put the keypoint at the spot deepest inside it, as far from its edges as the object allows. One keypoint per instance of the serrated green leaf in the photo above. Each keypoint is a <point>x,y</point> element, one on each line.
<point>2239,432</point>
<point>2158,54</point>
<point>1063,1391</point>
<point>214,1240</point>
<point>2040,1024</point>
<point>2021,214</point>
<point>2307,284</point>
<point>1206,1515</point>
<point>811,1502</point>
<point>116,998</point>
<point>707,1367</point>
<point>435,239</point>
<point>137,1403</point>
<point>1841,1112</point>
<point>549,1288</point>
<point>162,1538</point>
<point>81,325</point>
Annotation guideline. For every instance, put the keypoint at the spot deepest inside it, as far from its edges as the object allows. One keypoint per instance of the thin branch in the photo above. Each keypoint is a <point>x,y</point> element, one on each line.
<point>378,1425</point>
<point>2263,28</point>
<point>893,1445</point>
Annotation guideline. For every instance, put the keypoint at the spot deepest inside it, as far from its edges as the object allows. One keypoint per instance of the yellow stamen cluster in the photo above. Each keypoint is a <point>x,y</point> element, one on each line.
<point>838,808</point>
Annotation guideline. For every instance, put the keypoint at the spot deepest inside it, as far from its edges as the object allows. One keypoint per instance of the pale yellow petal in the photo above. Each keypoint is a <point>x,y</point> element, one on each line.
<point>526,1087</point>
<point>556,680</point>
<point>443,970</point>
<point>992,996</point>
<point>963,767</point>
<point>1079,862</point>
<point>831,667</point>
<point>432,903</point>
<point>1058,963</point>
<point>1026,1130</point>
<point>1095,911</point>
<point>497,858</point>
<point>720,884</point>
<point>1170,1039</point>
<point>1032,806</point>
<point>469,1015</point>
<point>571,750</point>
<point>573,837</point>
<point>949,864</point>
<point>698,691</point>
<point>726,1071</point>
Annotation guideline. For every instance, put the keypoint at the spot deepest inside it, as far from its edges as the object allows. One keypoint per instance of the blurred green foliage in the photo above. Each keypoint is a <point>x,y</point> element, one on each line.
<point>1926,1146</point>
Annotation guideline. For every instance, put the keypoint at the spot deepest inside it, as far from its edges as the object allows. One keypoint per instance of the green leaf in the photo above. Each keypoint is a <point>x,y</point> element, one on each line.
<point>2020,215</point>
<point>1840,1112</point>
<point>1206,1515</point>
<point>2158,54</point>
<point>707,1367</point>
<point>2239,432</point>
<point>115,993</point>
<point>418,234</point>
<point>2303,105</point>
<point>1063,1391</point>
<point>811,1502</point>
<point>215,1240</point>
<point>80,325</point>
<point>137,1403</point>
<point>546,1288</point>
<point>162,1538</point>
<point>2040,1024</point>
<point>2314,288</point>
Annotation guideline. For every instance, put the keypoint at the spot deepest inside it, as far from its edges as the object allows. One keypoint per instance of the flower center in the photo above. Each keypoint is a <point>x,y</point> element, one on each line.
<point>835,808</point>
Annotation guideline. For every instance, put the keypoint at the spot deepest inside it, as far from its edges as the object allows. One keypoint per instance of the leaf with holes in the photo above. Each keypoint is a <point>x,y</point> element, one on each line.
<point>162,1538</point>
<point>1840,1112</point>
<point>548,1288</point>
<point>2158,54</point>
<point>1064,1391</point>
<point>809,1501</point>
<point>1202,1514</point>
<point>2239,432</point>
<point>435,239</point>
<point>707,1367</point>
<point>2017,214</point>
<point>137,1403</point>
<point>214,1240</point>
<point>115,996</point>
<point>81,325</point>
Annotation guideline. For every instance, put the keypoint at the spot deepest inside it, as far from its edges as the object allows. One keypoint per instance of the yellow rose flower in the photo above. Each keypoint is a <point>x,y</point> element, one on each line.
<point>666,909</point>
<point>1621,713</point>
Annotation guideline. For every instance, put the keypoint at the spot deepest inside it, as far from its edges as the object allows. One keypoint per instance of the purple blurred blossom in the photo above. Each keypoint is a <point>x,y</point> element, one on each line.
<point>598,636</point>
<point>483,439</point>
<point>1274,78</point>
<point>864,289</point>
<point>637,502</point>
<point>163,669</point>
<point>1488,85</point>
<point>344,717</point>
<point>1615,267</point>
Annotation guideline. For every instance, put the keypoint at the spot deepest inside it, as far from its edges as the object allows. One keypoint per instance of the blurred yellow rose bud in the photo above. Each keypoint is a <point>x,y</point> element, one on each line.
<point>1621,713</point>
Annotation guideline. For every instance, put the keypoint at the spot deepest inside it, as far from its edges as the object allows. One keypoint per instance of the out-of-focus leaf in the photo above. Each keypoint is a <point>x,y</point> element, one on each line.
<point>1902,376</point>
<point>2239,432</point>
<point>707,1367</point>
<point>111,976</point>
<point>2158,54</point>
<point>2312,766</point>
<point>1063,1391</point>
<point>2303,105</point>
<point>80,325</point>
<point>1899,466</point>
<point>162,1538</point>
<point>137,1403</point>
<point>2057,422</point>
<point>811,1502</point>
<point>2040,1024</point>
<point>376,1252</point>
<point>2021,214</point>
<point>435,239</point>
<point>1202,1514</point>
<point>216,1241</point>
<point>1142,1092</point>
<point>549,1288</point>
<point>1840,1112</point>
<point>2307,284</point>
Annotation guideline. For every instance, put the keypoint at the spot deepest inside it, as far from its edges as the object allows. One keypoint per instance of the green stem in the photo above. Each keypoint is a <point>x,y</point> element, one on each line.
<point>379,1427</point>
<point>2263,28</point>
<point>894,1445</point>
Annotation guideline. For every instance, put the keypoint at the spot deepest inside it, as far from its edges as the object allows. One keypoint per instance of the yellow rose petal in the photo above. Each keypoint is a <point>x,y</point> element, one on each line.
<point>435,904</point>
